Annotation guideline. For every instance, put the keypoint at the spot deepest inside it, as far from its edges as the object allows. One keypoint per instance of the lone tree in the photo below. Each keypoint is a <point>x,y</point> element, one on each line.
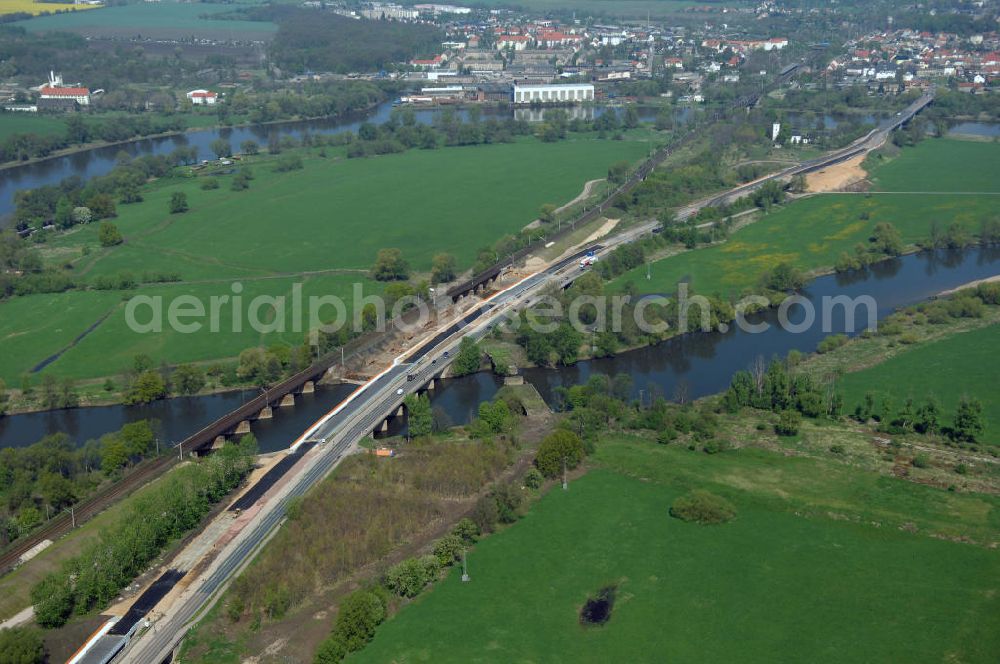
<point>631,120</point>
<point>178,202</point>
<point>467,359</point>
<point>109,235</point>
<point>418,415</point>
<point>222,148</point>
<point>969,420</point>
<point>547,214</point>
<point>556,447</point>
<point>390,266</point>
<point>249,147</point>
<point>82,215</point>
<point>784,277</point>
<point>886,239</point>
<point>443,268</point>
<point>618,172</point>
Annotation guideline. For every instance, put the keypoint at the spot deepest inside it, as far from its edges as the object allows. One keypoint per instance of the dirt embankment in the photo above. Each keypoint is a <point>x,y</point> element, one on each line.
<point>838,177</point>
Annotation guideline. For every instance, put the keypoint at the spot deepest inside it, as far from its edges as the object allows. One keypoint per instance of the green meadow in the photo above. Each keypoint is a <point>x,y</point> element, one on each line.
<point>809,233</point>
<point>965,364</point>
<point>337,213</point>
<point>812,232</point>
<point>940,165</point>
<point>321,226</point>
<point>39,326</point>
<point>30,123</point>
<point>782,582</point>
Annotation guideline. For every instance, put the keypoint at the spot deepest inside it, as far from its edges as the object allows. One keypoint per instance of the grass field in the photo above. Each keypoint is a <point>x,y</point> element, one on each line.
<point>769,586</point>
<point>941,165</point>
<point>30,123</point>
<point>339,213</point>
<point>31,7</point>
<point>964,364</point>
<point>42,325</point>
<point>811,233</point>
<point>165,19</point>
<point>325,222</point>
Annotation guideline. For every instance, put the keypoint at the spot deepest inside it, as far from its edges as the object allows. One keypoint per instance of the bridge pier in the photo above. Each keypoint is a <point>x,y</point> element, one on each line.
<point>308,387</point>
<point>430,385</point>
<point>399,411</point>
<point>218,442</point>
<point>384,427</point>
<point>265,413</point>
<point>243,427</point>
<point>287,400</point>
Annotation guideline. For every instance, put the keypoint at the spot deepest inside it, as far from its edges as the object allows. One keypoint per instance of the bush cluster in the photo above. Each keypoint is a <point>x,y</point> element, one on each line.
<point>703,508</point>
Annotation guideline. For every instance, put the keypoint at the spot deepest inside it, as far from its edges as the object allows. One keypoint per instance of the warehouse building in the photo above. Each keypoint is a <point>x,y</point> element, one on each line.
<point>568,93</point>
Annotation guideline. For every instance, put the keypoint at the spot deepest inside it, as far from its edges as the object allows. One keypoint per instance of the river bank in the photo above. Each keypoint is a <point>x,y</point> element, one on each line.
<point>97,145</point>
<point>690,365</point>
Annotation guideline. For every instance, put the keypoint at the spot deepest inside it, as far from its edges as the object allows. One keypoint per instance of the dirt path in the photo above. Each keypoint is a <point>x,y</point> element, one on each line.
<point>838,176</point>
<point>587,190</point>
<point>605,228</point>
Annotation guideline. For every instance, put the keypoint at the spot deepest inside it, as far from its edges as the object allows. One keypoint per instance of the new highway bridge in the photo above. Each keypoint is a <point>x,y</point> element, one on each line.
<point>322,446</point>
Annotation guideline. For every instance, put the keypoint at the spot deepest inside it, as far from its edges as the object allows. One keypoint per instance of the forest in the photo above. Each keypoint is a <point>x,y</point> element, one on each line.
<point>321,41</point>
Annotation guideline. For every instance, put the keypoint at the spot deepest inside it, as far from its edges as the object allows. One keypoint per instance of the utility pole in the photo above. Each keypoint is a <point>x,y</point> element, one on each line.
<point>465,569</point>
<point>157,446</point>
<point>565,483</point>
<point>648,274</point>
<point>72,514</point>
<point>180,450</point>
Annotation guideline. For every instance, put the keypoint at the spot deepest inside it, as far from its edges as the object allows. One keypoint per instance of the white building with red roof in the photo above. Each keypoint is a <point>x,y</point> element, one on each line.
<point>515,42</point>
<point>54,89</point>
<point>203,97</point>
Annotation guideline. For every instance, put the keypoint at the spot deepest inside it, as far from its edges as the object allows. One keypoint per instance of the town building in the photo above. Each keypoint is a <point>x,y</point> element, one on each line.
<point>54,89</point>
<point>514,42</point>
<point>565,93</point>
<point>203,97</point>
<point>379,11</point>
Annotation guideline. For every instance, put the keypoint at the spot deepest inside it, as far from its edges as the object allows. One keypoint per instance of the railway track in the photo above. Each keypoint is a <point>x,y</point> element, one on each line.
<point>85,510</point>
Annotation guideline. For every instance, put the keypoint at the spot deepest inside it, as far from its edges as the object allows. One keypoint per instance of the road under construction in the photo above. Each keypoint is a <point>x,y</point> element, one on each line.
<point>261,508</point>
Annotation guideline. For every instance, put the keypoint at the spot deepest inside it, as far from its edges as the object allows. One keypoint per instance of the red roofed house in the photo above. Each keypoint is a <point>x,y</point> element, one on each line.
<point>54,89</point>
<point>432,63</point>
<point>79,95</point>
<point>516,42</point>
<point>203,97</point>
<point>551,39</point>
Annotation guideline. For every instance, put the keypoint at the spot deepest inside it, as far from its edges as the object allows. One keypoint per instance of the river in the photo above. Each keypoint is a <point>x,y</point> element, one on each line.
<point>99,161</point>
<point>697,364</point>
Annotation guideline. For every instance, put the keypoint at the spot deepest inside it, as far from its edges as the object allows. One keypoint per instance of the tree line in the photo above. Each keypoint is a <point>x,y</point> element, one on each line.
<point>322,41</point>
<point>40,480</point>
<point>160,514</point>
<point>402,132</point>
<point>777,387</point>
